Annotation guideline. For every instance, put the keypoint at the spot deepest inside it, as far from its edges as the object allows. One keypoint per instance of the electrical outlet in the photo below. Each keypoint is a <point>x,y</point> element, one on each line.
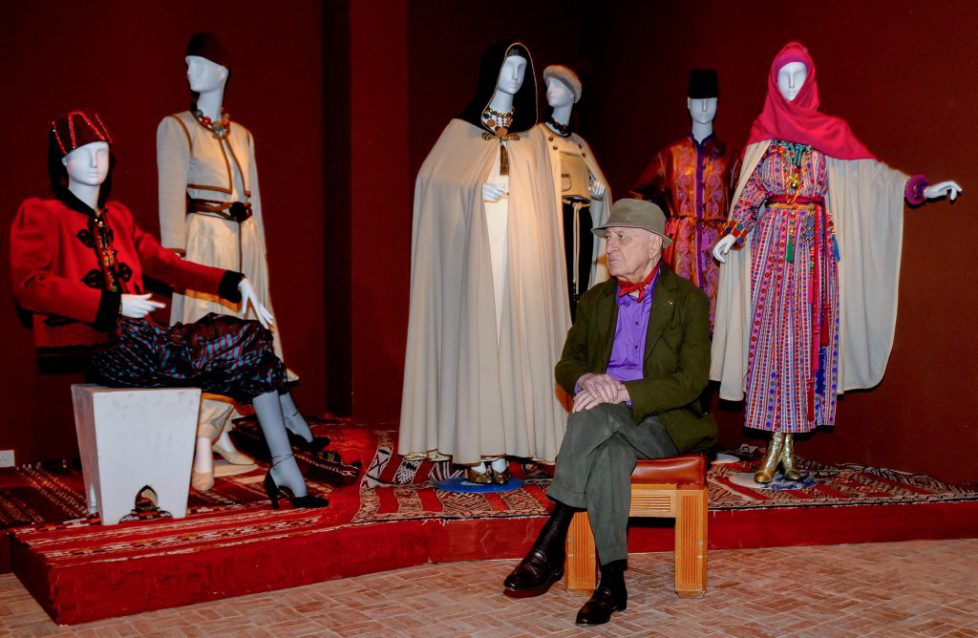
<point>6,458</point>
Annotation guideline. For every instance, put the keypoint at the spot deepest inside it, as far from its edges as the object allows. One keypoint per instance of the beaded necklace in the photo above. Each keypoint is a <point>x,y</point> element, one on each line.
<point>219,129</point>
<point>794,153</point>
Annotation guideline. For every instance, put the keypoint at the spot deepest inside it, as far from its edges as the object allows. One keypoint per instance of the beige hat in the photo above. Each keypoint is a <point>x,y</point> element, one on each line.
<point>565,75</point>
<point>635,213</point>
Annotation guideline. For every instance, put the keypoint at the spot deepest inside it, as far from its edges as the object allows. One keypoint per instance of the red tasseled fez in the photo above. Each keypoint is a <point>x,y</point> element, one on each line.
<point>78,128</point>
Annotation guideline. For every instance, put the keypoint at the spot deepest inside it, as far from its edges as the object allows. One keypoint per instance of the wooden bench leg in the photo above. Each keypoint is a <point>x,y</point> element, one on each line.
<point>581,565</point>
<point>691,545</point>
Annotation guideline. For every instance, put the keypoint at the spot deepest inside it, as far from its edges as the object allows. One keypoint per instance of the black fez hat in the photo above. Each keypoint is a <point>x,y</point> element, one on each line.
<point>703,84</point>
<point>212,46</point>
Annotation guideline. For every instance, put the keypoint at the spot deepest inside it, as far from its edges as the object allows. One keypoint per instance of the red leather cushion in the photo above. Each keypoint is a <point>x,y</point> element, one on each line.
<point>689,469</point>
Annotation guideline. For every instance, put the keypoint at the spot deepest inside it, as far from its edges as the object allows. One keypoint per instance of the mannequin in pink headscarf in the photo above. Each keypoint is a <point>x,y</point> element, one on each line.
<point>806,309</point>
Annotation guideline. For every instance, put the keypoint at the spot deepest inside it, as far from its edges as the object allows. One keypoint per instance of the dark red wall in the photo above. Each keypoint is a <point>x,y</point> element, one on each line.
<point>347,98</point>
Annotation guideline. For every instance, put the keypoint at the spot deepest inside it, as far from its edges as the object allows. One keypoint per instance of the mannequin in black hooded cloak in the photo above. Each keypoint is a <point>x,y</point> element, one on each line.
<point>489,307</point>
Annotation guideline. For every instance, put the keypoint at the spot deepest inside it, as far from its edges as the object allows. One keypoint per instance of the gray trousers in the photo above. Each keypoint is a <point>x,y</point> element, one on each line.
<point>594,469</point>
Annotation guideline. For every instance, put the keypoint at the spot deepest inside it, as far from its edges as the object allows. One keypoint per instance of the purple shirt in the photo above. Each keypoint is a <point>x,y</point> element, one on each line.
<point>628,351</point>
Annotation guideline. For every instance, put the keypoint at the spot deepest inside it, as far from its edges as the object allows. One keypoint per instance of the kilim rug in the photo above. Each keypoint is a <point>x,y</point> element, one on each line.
<point>393,488</point>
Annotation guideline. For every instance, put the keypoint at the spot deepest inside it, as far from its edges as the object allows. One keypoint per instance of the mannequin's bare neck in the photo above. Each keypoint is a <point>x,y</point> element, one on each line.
<point>501,102</point>
<point>88,195</point>
<point>210,102</point>
<point>562,114</point>
<point>701,131</point>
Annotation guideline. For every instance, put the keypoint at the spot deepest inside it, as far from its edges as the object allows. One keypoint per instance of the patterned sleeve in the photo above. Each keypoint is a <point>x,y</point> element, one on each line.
<point>744,214</point>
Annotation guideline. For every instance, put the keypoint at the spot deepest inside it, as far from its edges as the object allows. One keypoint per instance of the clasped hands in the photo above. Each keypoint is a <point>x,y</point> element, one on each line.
<point>595,389</point>
<point>138,306</point>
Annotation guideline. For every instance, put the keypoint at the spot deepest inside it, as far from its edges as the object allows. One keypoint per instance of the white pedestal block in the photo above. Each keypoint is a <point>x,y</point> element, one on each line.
<point>131,439</point>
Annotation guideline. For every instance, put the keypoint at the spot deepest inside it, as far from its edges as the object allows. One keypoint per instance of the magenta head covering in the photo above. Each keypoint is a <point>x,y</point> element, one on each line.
<point>800,121</point>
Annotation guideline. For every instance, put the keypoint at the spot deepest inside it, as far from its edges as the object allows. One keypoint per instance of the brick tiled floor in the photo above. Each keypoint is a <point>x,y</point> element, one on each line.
<point>920,588</point>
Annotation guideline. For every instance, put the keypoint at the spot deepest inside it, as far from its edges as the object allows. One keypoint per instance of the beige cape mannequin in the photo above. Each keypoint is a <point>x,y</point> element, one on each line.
<point>208,181</point>
<point>864,203</point>
<point>488,303</point>
<point>578,183</point>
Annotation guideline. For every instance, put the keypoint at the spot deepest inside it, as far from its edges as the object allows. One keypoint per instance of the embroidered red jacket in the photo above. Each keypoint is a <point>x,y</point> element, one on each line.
<point>57,274</point>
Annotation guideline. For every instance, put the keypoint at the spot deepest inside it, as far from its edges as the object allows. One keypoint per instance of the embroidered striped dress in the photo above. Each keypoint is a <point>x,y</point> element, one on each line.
<point>792,368</point>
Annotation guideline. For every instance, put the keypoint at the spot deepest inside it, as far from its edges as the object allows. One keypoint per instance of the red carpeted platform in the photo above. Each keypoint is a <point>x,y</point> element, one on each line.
<point>232,543</point>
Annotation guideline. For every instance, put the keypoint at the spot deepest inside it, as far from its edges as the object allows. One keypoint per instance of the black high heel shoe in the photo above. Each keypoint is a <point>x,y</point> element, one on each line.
<point>303,502</point>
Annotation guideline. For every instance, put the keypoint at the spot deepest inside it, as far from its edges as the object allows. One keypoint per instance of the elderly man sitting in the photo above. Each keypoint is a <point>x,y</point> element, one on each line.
<point>636,360</point>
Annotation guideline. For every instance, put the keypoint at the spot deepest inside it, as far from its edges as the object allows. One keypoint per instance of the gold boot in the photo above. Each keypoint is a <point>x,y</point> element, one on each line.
<point>788,461</point>
<point>765,473</point>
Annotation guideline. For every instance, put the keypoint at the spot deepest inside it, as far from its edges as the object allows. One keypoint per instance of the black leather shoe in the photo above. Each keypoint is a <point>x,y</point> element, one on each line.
<point>603,603</point>
<point>536,571</point>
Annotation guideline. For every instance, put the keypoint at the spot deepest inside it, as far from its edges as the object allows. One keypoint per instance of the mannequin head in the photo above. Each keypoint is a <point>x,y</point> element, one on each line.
<point>204,75</point>
<point>506,79</point>
<point>80,154</point>
<point>791,77</point>
<point>702,110</point>
<point>87,165</point>
<point>511,73</point>
<point>558,93</point>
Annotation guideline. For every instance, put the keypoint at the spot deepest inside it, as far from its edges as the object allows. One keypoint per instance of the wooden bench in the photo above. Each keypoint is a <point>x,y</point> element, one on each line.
<point>672,487</point>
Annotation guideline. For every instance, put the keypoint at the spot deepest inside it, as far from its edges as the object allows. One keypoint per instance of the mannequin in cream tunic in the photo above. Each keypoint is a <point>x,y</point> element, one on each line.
<point>212,162</point>
<point>580,186</point>
<point>488,297</point>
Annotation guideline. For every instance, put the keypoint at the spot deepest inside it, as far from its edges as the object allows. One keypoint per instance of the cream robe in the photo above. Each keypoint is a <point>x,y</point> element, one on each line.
<point>599,207</point>
<point>866,203</point>
<point>193,162</point>
<point>469,394</point>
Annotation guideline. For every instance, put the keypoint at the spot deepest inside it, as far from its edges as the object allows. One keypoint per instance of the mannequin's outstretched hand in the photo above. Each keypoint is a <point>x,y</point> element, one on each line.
<point>723,247</point>
<point>940,189</point>
<point>138,306</point>
<point>250,297</point>
<point>493,192</point>
<point>597,188</point>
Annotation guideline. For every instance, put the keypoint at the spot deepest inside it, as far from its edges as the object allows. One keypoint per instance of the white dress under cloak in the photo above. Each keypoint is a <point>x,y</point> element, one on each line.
<point>470,392</point>
<point>865,200</point>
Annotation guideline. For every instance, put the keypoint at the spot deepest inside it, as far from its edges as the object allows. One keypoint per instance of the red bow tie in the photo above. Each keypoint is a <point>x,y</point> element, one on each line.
<point>626,287</point>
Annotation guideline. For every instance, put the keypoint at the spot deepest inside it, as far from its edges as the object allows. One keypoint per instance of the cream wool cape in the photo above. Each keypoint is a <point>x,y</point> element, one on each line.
<point>468,394</point>
<point>865,199</point>
<point>192,162</point>
<point>599,207</point>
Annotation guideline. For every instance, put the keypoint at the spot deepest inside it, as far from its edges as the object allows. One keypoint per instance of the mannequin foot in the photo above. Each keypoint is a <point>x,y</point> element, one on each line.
<point>225,447</point>
<point>202,476</point>
<point>478,474</point>
<point>500,471</point>
<point>765,473</point>
<point>284,477</point>
<point>788,460</point>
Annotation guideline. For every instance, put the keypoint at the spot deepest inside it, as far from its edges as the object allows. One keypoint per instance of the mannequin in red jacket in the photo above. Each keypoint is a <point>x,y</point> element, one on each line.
<point>77,262</point>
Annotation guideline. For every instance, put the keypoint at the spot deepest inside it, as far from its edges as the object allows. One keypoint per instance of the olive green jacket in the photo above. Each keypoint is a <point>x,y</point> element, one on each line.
<point>677,356</point>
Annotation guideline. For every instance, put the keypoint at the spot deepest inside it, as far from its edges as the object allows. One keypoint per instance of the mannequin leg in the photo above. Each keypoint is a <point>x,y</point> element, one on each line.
<point>284,471</point>
<point>202,476</point>
<point>294,421</point>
